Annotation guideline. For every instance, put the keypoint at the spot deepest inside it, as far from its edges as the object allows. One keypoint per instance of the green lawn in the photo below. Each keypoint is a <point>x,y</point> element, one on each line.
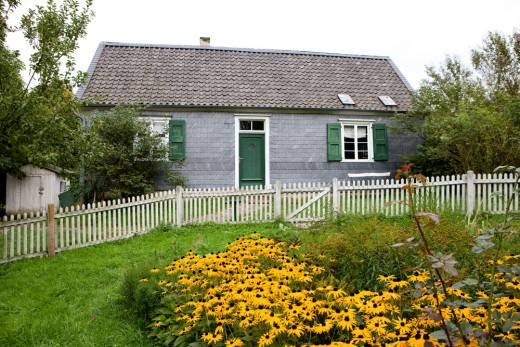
<point>73,298</point>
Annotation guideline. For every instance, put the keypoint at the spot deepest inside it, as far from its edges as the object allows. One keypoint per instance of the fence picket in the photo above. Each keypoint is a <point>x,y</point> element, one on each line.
<point>26,235</point>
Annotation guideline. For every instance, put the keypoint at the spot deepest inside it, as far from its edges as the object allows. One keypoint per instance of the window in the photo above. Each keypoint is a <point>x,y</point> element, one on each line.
<point>159,126</point>
<point>357,141</point>
<point>252,125</point>
<point>172,133</point>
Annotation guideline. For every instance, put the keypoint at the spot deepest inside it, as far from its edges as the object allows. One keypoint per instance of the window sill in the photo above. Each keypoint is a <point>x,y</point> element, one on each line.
<point>358,161</point>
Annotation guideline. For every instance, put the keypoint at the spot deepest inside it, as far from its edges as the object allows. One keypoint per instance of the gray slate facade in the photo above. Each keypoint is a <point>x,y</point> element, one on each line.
<point>293,94</point>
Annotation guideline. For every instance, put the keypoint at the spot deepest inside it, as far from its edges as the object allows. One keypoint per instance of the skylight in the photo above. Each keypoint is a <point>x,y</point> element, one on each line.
<point>387,101</point>
<point>346,99</point>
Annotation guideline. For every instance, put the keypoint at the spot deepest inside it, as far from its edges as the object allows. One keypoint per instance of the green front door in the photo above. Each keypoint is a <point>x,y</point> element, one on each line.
<point>252,160</point>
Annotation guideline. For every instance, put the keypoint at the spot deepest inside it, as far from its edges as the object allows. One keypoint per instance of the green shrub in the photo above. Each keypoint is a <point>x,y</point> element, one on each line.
<point>140,294</point>
<point>357,249</point>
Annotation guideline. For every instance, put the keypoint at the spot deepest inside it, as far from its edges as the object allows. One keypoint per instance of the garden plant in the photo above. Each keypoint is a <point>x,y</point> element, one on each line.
<point>261,292</point>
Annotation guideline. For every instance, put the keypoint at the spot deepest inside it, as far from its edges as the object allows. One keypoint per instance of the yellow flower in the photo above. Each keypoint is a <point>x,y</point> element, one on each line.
<point>512,256</point>
<point>234,343</point>
<point>265,340</point>
<point>336,293</point>
<point>320,328</point>
<point>348,322</point>
<point>459,293</point>
<point>212,338</point>
<point>361,335</point>
<point>154,270</point>
<point>401,325</point>
<point>143,280</point>
<point>295,330</point>
<point>376,327</point>
<point>397,284</point>
<point>418,276</point>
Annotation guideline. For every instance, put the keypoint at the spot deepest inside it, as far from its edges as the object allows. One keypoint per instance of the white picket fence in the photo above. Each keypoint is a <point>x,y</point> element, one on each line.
<point>47,232</point>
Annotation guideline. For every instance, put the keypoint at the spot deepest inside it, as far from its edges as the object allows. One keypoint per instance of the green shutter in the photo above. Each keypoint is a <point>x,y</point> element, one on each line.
<point>334,142</point>
<point>380,136</point>
<point>177,139</point>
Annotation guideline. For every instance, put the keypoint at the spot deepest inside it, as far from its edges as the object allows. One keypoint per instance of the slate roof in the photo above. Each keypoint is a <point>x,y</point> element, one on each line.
<point>206,76</point>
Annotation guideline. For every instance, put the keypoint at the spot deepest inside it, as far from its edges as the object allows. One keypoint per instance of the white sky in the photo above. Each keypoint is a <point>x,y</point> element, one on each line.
<point>413,33</point>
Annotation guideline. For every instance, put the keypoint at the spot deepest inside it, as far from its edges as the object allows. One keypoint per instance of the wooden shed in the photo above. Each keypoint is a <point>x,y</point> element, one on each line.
<point>40,187</point>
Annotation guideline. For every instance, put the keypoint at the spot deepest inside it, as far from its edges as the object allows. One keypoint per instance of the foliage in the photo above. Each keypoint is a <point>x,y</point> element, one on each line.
<point>360,246</point>
<point>139,293</point>
<point>122,156</point>
<point>468,118</point>
<point>262,293</point>
<point>493,318</point>
<point>39,117</point>
<point>356,249</point>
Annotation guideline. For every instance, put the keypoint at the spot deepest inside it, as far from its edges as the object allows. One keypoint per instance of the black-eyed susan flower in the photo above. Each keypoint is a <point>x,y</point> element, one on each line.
<point>321,328</point>
<point>265,340</point>
<point>212,338</point>
<point>236,342</point>
<point>336,293</point>
<point>402,325</point>
<point>295,330</point>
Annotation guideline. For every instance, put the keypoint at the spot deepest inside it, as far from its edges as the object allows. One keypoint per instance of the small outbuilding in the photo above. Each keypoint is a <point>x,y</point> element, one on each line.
<point>40,187</point>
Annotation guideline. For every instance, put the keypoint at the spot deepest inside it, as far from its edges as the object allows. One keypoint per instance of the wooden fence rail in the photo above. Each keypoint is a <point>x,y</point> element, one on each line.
<point>46,232</point>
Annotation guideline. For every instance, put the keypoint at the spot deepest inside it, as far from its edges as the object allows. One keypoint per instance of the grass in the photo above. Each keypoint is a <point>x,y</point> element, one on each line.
<point>73,299</point>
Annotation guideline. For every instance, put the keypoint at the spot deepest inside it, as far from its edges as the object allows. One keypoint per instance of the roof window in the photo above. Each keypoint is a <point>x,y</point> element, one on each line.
<point>387,101</point>
<point>346,99</point>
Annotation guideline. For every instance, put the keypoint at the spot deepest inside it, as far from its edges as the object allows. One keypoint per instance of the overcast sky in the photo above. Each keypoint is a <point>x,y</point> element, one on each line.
<point>413,33</point>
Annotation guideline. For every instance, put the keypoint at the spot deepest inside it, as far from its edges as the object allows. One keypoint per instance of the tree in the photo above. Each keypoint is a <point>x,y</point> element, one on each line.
<point>468,117</point>
<point>122,156</point>
<point>39,117</point>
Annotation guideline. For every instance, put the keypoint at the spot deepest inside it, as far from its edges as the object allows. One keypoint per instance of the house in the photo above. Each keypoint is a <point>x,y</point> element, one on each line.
<point>253,116</point>
<point>39,187</point>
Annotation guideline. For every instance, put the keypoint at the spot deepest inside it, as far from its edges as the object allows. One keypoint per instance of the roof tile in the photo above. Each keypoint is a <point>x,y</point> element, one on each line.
<point>226,77</point>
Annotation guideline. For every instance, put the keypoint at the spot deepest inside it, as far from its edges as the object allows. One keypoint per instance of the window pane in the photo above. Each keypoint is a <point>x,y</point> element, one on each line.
<point>362,133</point>
<point>159,128</point>
<point>258,125</point>
<point>245,125</point>
<point>350,155</point>
<point>350,146</point>
<point>348,132</point>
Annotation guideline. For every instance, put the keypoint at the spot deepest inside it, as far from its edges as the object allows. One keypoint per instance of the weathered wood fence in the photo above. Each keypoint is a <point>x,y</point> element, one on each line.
<point>47,232</point>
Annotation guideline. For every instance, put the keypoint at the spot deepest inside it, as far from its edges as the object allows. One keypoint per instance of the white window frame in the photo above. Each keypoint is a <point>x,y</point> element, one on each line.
<point>265,118</point>
<point>165,120</point>
<point>355,123</point>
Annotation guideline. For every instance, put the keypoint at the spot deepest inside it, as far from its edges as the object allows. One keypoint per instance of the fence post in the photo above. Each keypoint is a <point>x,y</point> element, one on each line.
<point>50,231</point>
<point>470,193</point>
<point>180,206</point>
<point>277,199</point>
<point>335,196</point>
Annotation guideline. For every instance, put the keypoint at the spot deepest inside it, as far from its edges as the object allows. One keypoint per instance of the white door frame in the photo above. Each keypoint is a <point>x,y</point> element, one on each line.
<point>265,118</point>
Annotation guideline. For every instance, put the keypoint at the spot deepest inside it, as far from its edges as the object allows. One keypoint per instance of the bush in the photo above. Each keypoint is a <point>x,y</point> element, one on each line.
<point>140,294</point>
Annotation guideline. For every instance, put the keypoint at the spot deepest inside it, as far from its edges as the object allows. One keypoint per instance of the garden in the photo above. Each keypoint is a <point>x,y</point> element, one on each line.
<point>373,280</point>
